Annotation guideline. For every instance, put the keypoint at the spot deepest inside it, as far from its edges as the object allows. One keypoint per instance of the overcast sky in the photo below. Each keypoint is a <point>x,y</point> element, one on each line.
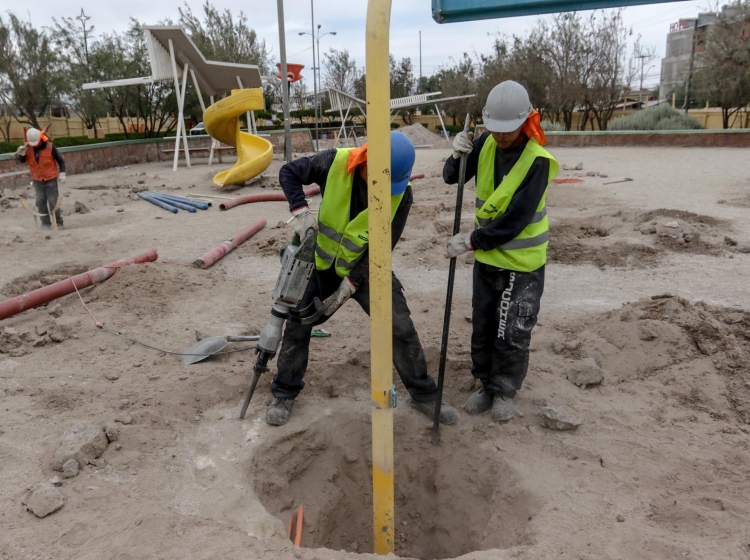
<point>347,18</point>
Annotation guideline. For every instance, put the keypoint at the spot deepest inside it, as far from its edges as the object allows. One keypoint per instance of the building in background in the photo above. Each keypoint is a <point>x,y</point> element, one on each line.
<point>684,36</point>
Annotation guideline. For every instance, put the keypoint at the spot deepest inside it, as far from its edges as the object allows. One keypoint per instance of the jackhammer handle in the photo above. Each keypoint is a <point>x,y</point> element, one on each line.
<point>249,395</point>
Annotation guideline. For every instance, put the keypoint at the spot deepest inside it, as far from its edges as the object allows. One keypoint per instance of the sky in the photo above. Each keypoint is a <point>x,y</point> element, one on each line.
<point>440,42</point>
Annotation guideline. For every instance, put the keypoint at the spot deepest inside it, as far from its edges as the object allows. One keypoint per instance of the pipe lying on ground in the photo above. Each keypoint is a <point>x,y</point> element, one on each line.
<point>16,305</point>
<point>157,202</point>
<point>175,203</point>
<point>264,197</point>
<point>312,190</point>
<point>202,204</point>
<point>220,251</point>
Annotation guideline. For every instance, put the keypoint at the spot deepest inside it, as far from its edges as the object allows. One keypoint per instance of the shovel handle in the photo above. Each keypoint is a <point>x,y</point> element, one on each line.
<point>449,296</point>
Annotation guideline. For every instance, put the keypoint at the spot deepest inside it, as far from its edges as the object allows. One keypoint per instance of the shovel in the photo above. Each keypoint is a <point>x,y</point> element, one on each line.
<point>210,346</point>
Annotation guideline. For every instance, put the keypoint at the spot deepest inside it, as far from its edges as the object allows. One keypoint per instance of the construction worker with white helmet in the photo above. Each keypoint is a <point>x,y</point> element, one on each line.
<point>509,241</point>
<point>342,267</point>
<point>46,166</point>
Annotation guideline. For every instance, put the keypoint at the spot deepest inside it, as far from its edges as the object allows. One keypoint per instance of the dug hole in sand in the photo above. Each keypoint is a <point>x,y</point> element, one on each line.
<point>449,500</point>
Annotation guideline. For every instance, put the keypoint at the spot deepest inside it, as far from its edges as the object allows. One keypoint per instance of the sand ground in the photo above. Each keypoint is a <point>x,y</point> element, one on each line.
<point>658,469</point>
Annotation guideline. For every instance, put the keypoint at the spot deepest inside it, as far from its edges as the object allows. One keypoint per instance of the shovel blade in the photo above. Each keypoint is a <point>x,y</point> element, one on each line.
<point>204,349</point>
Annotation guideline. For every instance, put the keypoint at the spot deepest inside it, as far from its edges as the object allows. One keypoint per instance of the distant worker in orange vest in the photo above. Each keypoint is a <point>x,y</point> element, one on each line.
<point>45,165</point>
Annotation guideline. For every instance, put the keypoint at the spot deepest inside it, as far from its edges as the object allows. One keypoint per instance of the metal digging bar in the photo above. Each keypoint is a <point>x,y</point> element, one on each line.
<point>449,295</point>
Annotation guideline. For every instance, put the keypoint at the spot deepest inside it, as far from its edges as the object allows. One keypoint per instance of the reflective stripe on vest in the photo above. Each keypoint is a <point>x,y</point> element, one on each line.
<point>46,168</point>
<point>528,251</point>
<point>340,240</point>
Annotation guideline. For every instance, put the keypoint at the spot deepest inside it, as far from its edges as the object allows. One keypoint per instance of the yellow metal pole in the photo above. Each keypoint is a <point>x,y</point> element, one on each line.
<point>379,204</point>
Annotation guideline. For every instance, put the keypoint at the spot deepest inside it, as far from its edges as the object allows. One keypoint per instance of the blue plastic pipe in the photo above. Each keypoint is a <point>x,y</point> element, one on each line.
<point>157,202</point>
<point>189,201</point>
<point>180,205</point>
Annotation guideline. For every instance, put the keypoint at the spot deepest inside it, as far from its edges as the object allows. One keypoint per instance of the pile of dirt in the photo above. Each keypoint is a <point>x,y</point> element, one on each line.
<point>677,230</point>
<point>450,500</point>
<point>144,290</point>
<point>667,334</point>
<point>420,135</point>
<point>619,254</point>
<point>39,279</point>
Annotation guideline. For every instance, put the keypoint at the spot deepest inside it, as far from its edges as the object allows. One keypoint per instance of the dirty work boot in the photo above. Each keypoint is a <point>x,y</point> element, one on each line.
<point>448,415</point>
<point>479,402</point>
<point>503,408</point>
<point>278,413</point>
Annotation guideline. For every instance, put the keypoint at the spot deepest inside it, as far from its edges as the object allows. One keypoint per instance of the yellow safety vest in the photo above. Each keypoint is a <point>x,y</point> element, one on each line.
<point>340,240</point>
<point>528,251</point>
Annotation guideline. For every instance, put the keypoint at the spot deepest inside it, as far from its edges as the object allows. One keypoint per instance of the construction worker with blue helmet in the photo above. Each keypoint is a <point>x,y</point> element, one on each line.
<point>342,267</point>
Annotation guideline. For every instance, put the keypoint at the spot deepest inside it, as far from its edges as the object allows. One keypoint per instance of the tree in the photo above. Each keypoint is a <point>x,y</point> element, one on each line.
<point>460,79</point>
<point>610,78</point>
<point>223,37</point>
<point>340,70</point>
<point>402,78</point>
<point>29,69</point>
<point>74,52</point>
<point>299,94</point>
<point>723,74</point>
<point>565,48</point>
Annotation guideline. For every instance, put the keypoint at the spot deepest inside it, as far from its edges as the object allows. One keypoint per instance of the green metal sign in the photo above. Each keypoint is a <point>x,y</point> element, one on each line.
<point>450,11</point>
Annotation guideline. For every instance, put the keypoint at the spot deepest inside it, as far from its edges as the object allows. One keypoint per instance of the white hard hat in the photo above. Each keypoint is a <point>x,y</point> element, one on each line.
<point>33,137</point>
<point>507,107</point>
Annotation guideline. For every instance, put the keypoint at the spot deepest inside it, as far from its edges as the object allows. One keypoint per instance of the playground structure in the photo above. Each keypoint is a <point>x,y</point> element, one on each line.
<point>343,103</point>
<point>169,49</point>
<point>254,154</point>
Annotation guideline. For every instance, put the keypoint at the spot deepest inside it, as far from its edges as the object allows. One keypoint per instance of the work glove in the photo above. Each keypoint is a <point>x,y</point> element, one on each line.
<point>21,150</point>
<point>304,220</point>
<point>463,143</point>
<point>458,245</point>
<point>345,290</point>
<point>62,176</point>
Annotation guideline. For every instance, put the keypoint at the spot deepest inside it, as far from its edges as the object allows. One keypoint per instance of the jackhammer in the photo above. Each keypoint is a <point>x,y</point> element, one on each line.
<point>297,265</point>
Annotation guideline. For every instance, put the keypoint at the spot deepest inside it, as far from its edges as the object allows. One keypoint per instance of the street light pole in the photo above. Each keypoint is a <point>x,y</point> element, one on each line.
<point>315,82</point>
<point>284,83</point>
<point>319,68</point>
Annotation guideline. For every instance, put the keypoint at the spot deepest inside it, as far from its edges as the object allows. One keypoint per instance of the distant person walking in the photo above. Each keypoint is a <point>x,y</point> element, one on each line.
<point>46,165</point>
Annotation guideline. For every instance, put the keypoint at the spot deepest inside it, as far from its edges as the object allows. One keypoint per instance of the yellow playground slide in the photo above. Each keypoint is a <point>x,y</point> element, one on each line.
<point>254,154</point>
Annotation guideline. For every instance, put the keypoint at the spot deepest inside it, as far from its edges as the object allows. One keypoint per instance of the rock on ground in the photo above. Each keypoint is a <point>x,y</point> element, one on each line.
<point>44,499</point>
<point>82,442</point>
<point>585,373</point>
<point>560,418</point>
<point>70,468</point>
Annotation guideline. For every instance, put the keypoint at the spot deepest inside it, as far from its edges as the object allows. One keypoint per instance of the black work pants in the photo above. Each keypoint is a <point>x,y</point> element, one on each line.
<point>408,356</point>
<point>46,200</point>
<point>505,305</point>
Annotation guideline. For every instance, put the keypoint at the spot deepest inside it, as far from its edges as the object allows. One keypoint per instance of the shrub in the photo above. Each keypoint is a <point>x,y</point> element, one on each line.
<point>656,118</point>
<point>551,126</point>
<point>395,125</point>
<point>9,147</point>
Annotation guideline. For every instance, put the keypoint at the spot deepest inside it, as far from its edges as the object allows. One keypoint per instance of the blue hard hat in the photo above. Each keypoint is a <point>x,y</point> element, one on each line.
<point>402,161</point>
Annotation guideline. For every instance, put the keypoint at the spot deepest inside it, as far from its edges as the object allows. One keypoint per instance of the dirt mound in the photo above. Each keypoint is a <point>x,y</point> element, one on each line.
<point>39,279</point>
<point>619,254</point>
<point>666,334</point>
<point>677,230</point>
<point>450,500</point>
<point>420,135</point>
<point>144,290</point>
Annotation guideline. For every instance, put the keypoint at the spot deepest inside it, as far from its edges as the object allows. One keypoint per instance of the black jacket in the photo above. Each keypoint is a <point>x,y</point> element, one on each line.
<point>522,206</point>
<point>314,169</point>
<point>55,154</point>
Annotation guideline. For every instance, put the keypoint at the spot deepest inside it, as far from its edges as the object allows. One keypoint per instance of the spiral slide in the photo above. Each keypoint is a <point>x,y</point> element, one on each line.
<point>254,154</point>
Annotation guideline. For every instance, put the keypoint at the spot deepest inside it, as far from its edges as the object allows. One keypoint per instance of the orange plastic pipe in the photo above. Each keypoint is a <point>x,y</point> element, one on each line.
<point>16,305</point>
<point>300,517</point>
<point>225,247</point>
<point>264,197</point>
